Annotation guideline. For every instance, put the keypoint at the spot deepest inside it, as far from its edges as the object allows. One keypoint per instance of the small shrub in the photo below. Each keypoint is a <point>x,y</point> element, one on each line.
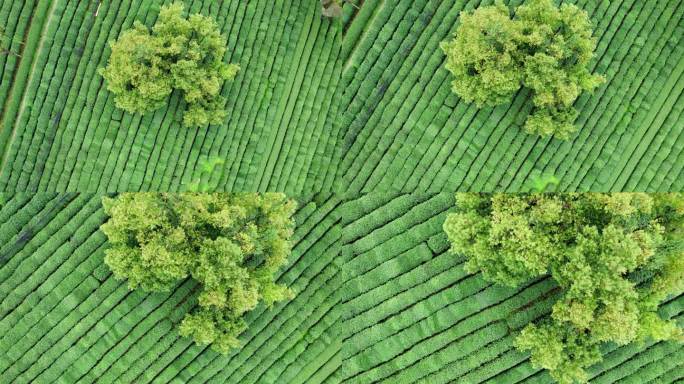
<point>544,48</point>
<point>207,165</point>
<point>179,53</point>
<point>232,244</point>
<point>616,257</point>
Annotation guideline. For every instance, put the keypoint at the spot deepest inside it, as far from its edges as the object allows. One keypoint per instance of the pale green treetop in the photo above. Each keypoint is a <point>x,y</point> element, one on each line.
<point>178,53</point>
<point>231,244</point>
<point>543,48</point>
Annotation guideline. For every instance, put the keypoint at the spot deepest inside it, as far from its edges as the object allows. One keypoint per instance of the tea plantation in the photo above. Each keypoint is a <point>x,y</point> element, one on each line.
<point>405,130</point>
<point>379,299</point>
<point>295,124</point>
<point>60,130</point>
<point>353,117</point>
<point>64,318</point>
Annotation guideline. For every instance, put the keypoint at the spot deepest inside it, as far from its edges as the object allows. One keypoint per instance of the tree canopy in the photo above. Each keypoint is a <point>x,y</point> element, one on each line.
<point>544,48</point>
<point>232,244</point>
<point>615,257</point>
<point>178,53</point>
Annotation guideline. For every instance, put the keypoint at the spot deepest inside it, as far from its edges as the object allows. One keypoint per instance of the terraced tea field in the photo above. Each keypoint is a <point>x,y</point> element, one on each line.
<point>406,131</point>
<point>413,315</point>
<point>64,318</point>
<point>355,117</point>
<point>390,121</point>
<point>60,130</point>
<point>379,300</point>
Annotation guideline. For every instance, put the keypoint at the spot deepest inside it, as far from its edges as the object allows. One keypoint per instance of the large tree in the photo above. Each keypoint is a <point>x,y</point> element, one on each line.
<point>544,48</point>
<point>178,53</point>
<point>615,258</point>
<point>232,244</point>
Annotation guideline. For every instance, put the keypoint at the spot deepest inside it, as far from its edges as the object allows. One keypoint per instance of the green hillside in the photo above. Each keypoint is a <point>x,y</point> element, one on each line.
<point>413,315</point>
<point>379,300</point>
<point>64,318</point>
<point>355,119</point>
<point>60,130</point>
<point>391,114</point>
<point>406,131</point>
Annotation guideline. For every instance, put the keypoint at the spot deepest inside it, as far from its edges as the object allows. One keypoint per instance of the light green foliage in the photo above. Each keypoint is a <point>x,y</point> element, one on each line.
<point>542,182</point>
<point>553,344</point>
<point>558,48</point>
<point>232,244</point>
<point>544,48</point>
<point>482,56</point>
<point>207,165</point>
<point>595,246</point>
<point>179,53</point>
